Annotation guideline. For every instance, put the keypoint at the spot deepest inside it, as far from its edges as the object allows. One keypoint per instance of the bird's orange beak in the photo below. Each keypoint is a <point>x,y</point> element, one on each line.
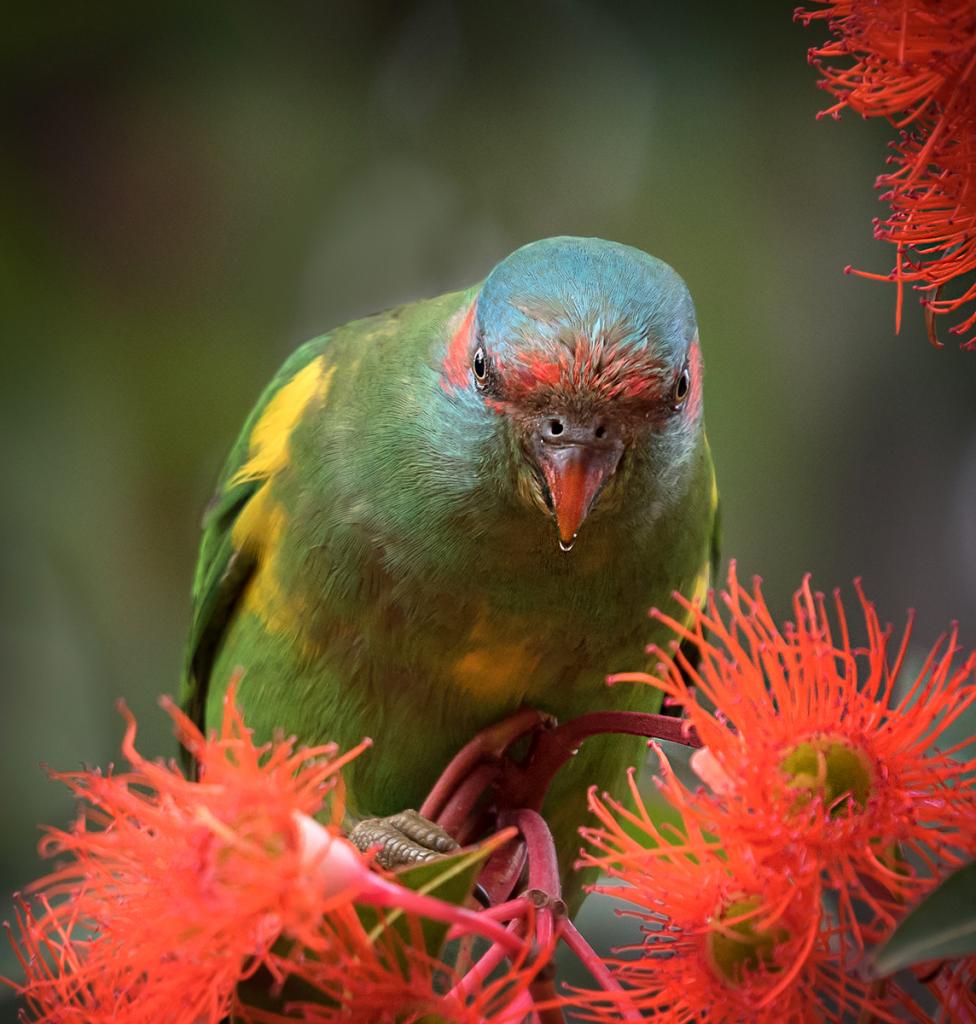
<point>575,475</point>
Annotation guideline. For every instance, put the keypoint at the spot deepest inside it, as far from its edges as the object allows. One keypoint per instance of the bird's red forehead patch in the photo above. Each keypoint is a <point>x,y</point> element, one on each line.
<point>601,366</point>
<point>606,371</point>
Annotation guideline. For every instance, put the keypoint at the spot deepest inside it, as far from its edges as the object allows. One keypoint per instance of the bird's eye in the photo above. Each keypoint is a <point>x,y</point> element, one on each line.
<point>681,388</point>
<point>479,363</point>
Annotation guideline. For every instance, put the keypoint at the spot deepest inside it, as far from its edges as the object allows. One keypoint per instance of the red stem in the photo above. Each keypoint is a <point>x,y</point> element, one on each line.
<point>519,792</point>
<point>571,935</point>
<point>458,807</point>
<point>389,895</point>
<point>475,827</point>
<point>527,785</point>
<point>489,960</point>
<point>510,910</point>
<point>545,927</point>
<point>501,874</point>
<point>510,918</point>
<point>546,1001</point>
<point>490,743</point>
<point>477,765</point>
<point>524,1005</point>
<point>544,889</point>
<point>953,999</point>
<point>541,854</point>
<point>634,723</point>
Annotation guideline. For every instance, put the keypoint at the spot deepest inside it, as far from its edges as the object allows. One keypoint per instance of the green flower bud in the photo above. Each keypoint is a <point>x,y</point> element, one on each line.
<point>834,769</point>
<point>742,947</point>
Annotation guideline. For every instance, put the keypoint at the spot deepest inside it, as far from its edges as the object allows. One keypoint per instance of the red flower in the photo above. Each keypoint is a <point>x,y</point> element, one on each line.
<point>727,938</point>
<point>393,982</point>
<point>811,760</point>
<point>177,891</point>
<point>955,988</point>
<point>914,64</point>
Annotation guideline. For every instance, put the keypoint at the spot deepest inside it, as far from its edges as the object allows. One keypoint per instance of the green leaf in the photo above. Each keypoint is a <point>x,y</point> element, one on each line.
<point>942,926</point>
<point>261,990</point>
<point>450,878</point>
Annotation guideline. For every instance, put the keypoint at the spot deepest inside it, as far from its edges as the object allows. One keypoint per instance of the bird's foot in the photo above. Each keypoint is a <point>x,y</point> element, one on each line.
<point>400,839</point>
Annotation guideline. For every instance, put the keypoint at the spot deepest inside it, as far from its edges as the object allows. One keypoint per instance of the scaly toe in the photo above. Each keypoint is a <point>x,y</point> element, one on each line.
<point>404,838</point>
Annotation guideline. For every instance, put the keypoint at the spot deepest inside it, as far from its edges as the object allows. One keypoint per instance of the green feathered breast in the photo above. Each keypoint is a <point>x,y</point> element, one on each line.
<point>369,564</point>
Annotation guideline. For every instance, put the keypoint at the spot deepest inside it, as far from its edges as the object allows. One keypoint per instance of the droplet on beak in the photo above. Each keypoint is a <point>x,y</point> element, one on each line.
<point>575,474</point>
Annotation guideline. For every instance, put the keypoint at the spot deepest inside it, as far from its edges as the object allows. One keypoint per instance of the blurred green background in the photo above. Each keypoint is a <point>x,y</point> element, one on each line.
<point>189,191</point>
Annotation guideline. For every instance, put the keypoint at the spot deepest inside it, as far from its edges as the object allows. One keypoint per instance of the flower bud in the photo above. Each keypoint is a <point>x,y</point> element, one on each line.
<point>739,942</point>
<point>832,768</point>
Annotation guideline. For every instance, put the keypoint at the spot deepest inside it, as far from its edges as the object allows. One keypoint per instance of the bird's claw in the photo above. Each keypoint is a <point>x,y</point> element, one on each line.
<point>400,839</point>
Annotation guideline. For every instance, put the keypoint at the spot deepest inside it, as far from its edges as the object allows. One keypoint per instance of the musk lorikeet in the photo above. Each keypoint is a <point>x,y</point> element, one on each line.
<point>392,551</point>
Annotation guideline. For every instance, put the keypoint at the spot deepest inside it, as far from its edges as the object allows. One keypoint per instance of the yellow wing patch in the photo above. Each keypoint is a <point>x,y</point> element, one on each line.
<point>699,589</point>
<point>259,528</point>
<point>262,522</point>
<point>701,582</point>
<point>269,442</point>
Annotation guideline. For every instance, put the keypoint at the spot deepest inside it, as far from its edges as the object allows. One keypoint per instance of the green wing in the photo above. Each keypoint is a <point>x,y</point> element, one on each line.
<point>231,547</point>
<point>223,568</point>
<point>691,651</point>
<point>716,548</point>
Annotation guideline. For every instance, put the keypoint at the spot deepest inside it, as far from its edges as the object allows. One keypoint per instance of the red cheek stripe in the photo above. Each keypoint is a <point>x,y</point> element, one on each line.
<point>694,403</point>
<point>458,349</point>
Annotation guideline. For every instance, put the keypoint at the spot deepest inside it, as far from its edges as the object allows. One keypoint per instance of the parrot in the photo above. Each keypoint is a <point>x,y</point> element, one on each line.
<point>464,506</point>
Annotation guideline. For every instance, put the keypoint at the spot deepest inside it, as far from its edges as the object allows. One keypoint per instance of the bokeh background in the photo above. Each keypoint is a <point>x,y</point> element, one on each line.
<point>188,191</point>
